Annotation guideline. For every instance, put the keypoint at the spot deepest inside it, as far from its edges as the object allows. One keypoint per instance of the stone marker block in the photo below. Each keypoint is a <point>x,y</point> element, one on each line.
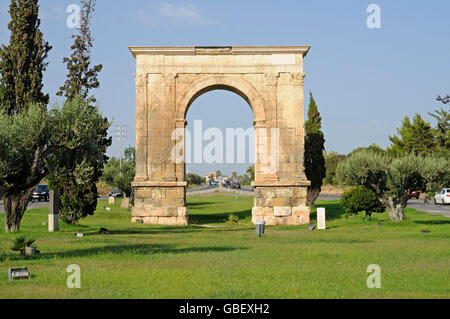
<point>111,200</point>
<point>321,218</point>
<point>125,203</point>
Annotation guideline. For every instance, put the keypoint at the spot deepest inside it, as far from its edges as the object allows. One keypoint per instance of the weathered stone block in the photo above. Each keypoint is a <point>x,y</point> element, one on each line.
<point>182,211</point>
<point>282,211</point>
<point>300,211</point>
<point>279,202</point>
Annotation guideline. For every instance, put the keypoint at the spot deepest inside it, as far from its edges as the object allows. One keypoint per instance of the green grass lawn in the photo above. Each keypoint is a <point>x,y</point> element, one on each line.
<point>230,261</point>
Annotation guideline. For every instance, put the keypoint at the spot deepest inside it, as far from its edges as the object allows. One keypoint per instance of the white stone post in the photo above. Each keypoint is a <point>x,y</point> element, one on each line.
<point>53,217</point>
<point>321,218</point>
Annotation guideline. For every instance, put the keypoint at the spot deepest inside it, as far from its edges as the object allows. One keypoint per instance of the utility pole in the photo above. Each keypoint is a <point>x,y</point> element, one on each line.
<point>121,133</point>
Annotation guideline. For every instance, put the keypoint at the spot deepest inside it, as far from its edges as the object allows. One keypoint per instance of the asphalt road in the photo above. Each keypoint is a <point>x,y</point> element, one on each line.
<point>31,206</point>
<point>431,208</point>
<point>212,187</point>
<point>418,204</point>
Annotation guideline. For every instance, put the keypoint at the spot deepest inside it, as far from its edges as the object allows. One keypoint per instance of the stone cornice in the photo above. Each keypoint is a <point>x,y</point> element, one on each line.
<point>222,50</point>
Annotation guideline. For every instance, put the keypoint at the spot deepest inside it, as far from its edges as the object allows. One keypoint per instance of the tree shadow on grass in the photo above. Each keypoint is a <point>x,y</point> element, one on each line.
<point>136,249</point>
<point>332,211</point>
<point>433,222</point>
<point>152,231</point>
<point>218,218</point>
<point>198,204</point>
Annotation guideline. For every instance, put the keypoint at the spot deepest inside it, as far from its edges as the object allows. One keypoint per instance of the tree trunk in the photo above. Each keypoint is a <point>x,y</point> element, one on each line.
<point>15,206</point>
<point>395,207</point>
<point>312,195</point>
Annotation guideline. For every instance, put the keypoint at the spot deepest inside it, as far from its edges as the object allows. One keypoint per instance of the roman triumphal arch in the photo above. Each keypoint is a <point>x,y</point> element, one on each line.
<point>270,79</point>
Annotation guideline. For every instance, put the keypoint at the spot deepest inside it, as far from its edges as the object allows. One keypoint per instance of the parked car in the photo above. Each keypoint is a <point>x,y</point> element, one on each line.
<point>226,183</point>
<point>443,197</point>
<point>213,182</point>
<point>116,193</point>
<point>414,194</point>
<point>235,184</point>
<point>41,193</point>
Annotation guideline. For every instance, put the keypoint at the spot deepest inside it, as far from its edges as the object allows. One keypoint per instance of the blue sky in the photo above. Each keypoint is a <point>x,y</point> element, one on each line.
<point>364,80</point>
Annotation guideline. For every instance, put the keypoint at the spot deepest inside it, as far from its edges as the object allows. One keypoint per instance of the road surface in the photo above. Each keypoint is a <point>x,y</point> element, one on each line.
<point>212,188</point>
<point>431,208</point>
<point>418,204</point>
<point>34,205</point>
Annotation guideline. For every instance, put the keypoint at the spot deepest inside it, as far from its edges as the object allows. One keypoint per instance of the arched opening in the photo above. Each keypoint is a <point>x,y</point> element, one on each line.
<point>236,84</point>
<point>220,127</point>
<point>219,118</point>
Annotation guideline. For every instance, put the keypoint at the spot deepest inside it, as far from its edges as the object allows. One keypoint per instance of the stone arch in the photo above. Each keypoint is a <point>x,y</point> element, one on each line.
<point>234,83</point>
<point>270,79</point>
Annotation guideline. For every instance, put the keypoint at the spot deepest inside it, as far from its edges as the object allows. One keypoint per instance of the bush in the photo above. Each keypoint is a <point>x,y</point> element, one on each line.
<point>360,199</point>
<point>194,179</point>
<point>21,244</point>
<point>233,219</point>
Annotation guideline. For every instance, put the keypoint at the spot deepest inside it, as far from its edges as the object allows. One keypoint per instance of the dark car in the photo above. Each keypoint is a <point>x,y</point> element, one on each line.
<point>41,193</point>
<point>226,183</point>
<point>236,184</point>
<point>116,193</point>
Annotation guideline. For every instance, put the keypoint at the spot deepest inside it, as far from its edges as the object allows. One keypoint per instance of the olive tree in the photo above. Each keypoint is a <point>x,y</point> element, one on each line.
<point>392,179</point>
<point>32,144</point>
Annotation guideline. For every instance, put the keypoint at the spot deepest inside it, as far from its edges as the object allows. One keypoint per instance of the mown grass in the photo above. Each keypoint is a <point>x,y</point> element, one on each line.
<point>230,261</point>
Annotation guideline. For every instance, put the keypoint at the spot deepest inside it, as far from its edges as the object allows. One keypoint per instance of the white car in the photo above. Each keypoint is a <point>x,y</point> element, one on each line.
<point>443,197</point>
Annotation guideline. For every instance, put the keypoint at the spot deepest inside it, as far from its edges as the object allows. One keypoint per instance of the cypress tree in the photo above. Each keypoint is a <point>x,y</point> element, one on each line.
<point>314,160</point>
<point>76,180</point>
<point>22,62</point>
<point>81,78</point>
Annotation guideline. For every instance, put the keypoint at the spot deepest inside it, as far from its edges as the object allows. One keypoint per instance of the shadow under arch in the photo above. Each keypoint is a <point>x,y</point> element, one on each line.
<point>233,83</point>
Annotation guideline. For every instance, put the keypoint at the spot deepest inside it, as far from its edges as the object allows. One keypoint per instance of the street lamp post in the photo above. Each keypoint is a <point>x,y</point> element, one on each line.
<point>121,134</point>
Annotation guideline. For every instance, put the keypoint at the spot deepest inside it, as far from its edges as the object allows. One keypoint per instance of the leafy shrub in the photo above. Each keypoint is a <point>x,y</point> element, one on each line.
<point>360,199</point>
<point>21,243</point>
<point>233,219</point>
<point>194,179</point>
